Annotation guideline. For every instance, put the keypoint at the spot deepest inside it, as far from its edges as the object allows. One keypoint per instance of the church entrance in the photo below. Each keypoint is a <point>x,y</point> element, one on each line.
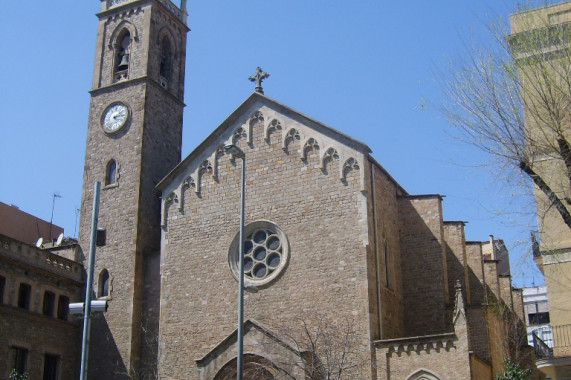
<point>255,368</point>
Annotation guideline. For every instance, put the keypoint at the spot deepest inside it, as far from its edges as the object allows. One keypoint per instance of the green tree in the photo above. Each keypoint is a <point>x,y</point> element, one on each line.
<point>14,375</point>
<point>513,371</point>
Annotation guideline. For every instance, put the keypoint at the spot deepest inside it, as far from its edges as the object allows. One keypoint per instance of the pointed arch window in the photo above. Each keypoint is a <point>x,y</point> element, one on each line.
<point>103,284</point>
<point>122,55</point>
<point>423,374</point>
<point>166,58</point>
<point>111,173</point>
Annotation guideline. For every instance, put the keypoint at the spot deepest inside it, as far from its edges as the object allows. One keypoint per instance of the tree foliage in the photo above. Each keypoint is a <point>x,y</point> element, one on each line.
<point>512,371</point>
<point>512,99</point>
<point>15,375</point>
<point>327,349</point>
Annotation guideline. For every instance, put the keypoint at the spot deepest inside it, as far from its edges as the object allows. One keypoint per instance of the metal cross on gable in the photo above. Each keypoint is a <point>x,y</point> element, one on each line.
<point>258,77</point>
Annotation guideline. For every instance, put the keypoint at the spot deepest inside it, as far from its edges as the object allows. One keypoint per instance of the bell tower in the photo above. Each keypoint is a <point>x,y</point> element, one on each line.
<point>133,140</point>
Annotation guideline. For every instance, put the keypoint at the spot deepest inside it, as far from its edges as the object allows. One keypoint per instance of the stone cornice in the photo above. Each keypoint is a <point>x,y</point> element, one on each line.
<point>126,83</point>
<point>39,259</point>
<point>203,162</point>
<point>425,343</point>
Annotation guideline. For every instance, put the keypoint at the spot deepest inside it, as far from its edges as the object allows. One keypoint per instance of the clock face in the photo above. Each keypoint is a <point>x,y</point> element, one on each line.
<point>115,117</point>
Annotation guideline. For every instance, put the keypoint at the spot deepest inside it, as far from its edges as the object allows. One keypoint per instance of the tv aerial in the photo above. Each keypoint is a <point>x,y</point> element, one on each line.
<point>40,242</point>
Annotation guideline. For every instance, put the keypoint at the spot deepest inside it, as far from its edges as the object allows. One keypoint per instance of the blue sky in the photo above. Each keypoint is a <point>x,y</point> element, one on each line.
<point>367,68</point>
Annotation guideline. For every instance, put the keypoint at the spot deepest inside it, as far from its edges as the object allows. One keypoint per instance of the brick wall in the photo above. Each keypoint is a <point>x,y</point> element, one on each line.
<point>25,227</point>
<point>423,264</point>
<point>492,280</point>
<point>388,253</point>
<point>478,330</point>
<point>444,357</point>
<point>480,369</point>
<point>322,218</point>
<point>475,273</point>
<point>40,335</point>
<point>505,284</point>
<point>145,150</point>
<point>499,347</point>
<point>456,257</point>
<point>30,329</point>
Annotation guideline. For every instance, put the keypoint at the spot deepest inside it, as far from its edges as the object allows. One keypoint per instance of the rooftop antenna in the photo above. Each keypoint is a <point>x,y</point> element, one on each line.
<point>77,211</point>
<point>54,196</point>
<point>40,242</point>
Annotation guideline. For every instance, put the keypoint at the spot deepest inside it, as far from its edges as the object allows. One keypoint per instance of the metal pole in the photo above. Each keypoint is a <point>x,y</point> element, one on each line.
<point>52,218</point>
<point>89,287</point>
<point>241,275</point>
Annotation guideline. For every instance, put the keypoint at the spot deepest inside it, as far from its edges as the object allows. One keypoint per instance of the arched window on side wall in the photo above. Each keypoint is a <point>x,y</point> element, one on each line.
<point>103,284</point>
<point>111,173</point>
<point>166,58</point>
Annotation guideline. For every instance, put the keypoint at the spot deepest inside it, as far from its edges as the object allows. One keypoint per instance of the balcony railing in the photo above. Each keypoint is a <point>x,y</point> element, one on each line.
<point>561,337</point>
<point>561,342</point>
<point>541,349</point>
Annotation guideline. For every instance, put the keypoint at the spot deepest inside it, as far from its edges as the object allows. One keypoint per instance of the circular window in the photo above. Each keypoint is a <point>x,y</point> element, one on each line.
<point>266,253</point>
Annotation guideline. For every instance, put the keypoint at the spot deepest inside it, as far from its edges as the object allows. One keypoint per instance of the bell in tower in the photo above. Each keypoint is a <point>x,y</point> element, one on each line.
<point>122,152</point>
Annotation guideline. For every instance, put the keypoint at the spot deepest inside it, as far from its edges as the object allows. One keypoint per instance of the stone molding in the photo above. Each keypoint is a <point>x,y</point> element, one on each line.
<point>41,259</point>
<point>195,172</point>
<point>417,344</point>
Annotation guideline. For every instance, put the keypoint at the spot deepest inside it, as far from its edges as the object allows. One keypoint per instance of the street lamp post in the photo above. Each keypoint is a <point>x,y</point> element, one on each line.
<point>236,152</point>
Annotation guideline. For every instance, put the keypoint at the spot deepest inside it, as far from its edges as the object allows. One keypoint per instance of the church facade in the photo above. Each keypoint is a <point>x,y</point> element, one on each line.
<point>333,245</point>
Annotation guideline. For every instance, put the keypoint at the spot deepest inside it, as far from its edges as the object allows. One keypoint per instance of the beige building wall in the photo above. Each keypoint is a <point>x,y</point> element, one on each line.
<point>553,256</point>
<point>545,159</point>
<point>32,329</point>
<point>558,281</point>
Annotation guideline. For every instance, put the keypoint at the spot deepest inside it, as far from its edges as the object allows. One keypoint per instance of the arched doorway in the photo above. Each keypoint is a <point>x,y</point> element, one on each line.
<point>422,374</point>
<point>255,368</point>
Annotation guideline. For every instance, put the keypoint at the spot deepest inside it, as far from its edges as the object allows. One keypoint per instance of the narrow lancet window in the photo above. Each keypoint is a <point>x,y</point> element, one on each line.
<point>166,58</point>
<point>111,175</point>
<point>103,284</point>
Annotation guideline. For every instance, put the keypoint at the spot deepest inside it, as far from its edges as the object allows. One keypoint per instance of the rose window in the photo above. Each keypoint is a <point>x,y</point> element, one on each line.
<point>265,252</point>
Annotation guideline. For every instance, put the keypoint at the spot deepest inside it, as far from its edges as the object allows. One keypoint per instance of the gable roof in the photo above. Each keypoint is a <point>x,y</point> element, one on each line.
<point>242,110</point>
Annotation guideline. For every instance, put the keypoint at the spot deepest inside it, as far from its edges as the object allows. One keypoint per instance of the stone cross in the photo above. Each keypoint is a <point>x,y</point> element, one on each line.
<point>258,77</point>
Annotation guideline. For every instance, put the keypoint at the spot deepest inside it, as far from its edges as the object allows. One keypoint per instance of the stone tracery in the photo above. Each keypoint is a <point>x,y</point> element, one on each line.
<point>310,145</point>
<point>257,117</point>
<point>205,167</point>
<point>210,165</point>
<point>273,126</point>
<point>349,165</point>
<point>330,155</point>
<point>239,134</point>
<point>291,135</point>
